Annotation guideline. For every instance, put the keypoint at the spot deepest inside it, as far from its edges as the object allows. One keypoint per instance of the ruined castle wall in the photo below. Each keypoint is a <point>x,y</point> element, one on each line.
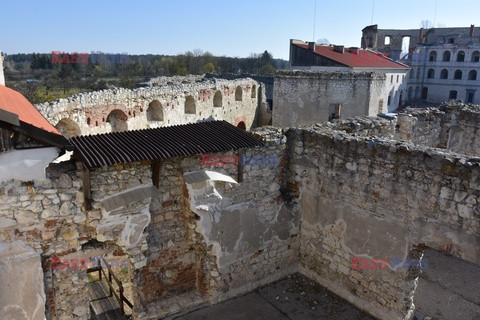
<point>46,216</point>
<point>302,98</point>
<point>210,240</point>
<point>188,242</point>
<point>88,113</point>
<point>379,199</point>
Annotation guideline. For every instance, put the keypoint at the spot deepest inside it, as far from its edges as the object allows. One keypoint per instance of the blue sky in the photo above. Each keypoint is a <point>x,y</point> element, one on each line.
<point>232,28</point>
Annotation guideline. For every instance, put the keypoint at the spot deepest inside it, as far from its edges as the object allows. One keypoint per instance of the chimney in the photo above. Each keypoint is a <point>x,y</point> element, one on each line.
<point>2,77</point>
<point>311,46</point>
<point>420,37</point>
<point>472,30</point>
<point>353,50</point>
<point>339,49</point>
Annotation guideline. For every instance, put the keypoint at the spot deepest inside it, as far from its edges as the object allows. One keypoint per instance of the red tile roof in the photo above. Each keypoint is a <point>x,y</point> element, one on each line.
<point>361,59</point>
<point>14,102</point>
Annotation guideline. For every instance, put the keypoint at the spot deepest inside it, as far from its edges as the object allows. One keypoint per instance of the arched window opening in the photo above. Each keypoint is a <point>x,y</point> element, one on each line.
<point>444,74</point>
<point>446,56</point>
<point>472,75</point>
<point>190,107</point>
<point>118,120</point>
<point>238,94</point>
<point>458,75</point>
<point>68,128</point>
<point>155,111</point>
<point>217,99</point>
<point>431,74</point>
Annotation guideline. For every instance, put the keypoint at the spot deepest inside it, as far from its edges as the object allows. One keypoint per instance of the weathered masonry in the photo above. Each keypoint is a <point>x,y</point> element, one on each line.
<point>195,235</point>
<point>302,98</point>
<point>189,100</point>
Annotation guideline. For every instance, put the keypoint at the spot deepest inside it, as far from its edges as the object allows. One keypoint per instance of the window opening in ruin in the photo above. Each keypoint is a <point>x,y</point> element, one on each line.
<point>451,40</point>
<point>389,100</point>
<point>452,94</point>
<point>458,75</point>
<point>410,93</point>
<point>446,56</point>
<point>391,79</point>
<point>472,75</point>
<point>461,56</point>
<point>433,56</point>
<point>242,125</point>
<point>238,94</point>
<point>418,73</point>
<point>431,73</point>
<point>475,56</point>
<point>405,47</point>
<point>254,92</point>
<point>68,128</point>
<point>470,96</point>
<point>118,120</point>
<point>109,284</point>
<point>190,107</point>
<point>387,40</point>
<point>417,92</point>
<point>444,74</point>
<point>88,121</point>
<point>155,111</point>
<point>424,93</point>
<point>217,99</point>
<point>380,106</point>
<point>398,77</point>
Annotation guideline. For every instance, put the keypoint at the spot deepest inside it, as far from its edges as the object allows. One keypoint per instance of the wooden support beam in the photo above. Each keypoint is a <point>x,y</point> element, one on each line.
<point>87,189</point>
<point>156,166</point>
<point>240,166</point>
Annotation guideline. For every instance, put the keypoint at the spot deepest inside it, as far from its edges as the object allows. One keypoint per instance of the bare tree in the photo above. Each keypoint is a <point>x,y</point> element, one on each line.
<point>323,41</point>
<point>426,24</point>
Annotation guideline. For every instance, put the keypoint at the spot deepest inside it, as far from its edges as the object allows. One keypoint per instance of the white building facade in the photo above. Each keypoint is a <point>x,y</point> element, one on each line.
<point>443,72</point>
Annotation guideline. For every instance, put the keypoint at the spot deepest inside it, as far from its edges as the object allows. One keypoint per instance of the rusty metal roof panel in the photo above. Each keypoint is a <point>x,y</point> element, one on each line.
<point>160,143</point>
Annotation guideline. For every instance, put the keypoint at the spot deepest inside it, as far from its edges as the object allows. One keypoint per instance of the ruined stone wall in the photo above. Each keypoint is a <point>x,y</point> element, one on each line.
<point>210,240</point>
<point>302,98</point>
<point>374,198</point>
<point>452,126</point>
<point>157,106</point>
<point>46,217</point>
<point>188,242</point>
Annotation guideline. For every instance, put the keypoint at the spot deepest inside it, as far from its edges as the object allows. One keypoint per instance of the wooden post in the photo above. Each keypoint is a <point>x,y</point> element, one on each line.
<point>240,166</point>
<point>110,280</point>
<point>87,190</point>
<point>99,270</point>
<point>120,288</point>
<point>157,164</point>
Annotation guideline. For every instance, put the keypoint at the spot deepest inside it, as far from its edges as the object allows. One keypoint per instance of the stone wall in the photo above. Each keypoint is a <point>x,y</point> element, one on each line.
<point>188,242</point>
<point>379,199</point>
<point>302,98</point>
<point>156,106</point>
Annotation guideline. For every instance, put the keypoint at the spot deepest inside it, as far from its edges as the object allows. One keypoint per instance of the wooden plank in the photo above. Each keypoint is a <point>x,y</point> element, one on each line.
<point>104,308</point>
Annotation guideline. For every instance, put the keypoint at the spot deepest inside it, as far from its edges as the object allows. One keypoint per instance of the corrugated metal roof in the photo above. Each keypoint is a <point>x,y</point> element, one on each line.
<point>160,143</point>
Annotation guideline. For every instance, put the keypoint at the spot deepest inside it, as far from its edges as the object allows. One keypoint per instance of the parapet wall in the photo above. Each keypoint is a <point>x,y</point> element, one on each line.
<point>170,103</point>
<point>379,199</point>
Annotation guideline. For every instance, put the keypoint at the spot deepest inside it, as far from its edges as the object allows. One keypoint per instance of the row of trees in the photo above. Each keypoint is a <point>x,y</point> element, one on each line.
<point>48,80</point>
